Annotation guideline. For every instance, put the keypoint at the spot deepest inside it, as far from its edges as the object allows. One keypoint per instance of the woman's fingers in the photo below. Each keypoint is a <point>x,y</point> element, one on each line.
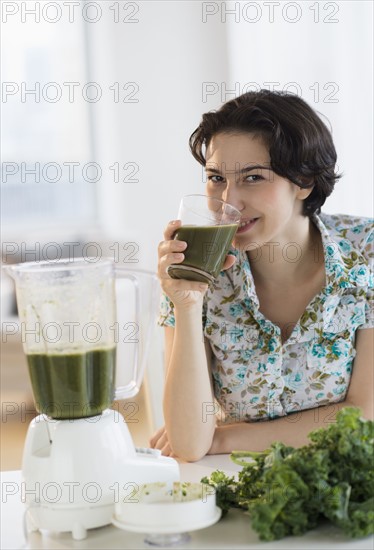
<point>156,436</point>
<point>166,450</point>
<point>160,441</point>
<point>166,261</point>
<point>170,251</point>
<point>170,246</point>
<point>229,262</point>
<point>172,257</point>
<point>171,229</point>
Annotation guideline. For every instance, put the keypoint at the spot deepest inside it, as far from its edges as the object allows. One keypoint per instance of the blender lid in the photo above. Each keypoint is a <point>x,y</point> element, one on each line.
<point>58,265</point>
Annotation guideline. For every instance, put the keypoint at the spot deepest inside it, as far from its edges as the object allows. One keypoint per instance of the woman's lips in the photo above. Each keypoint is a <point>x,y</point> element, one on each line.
<point>246,225</point>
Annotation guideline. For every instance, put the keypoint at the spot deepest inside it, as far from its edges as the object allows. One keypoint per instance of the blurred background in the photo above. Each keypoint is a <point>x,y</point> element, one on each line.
<point>99,99</point>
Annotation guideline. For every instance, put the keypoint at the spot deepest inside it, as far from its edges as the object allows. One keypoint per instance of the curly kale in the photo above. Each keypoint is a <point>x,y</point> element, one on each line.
<point>225,490</point>
<point>288,491</point>
<point>351,453</point>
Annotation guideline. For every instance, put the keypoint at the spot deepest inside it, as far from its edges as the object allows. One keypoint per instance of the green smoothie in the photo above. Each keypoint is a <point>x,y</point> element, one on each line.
<point>207,248</point>
<point>73,385</point>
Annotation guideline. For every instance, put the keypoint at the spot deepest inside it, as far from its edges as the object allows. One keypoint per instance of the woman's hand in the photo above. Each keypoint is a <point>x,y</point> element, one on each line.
<point>160,441</point>
<point>170,251</point>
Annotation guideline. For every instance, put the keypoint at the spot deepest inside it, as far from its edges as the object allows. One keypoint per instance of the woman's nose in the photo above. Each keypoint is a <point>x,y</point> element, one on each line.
<point>232,196</point>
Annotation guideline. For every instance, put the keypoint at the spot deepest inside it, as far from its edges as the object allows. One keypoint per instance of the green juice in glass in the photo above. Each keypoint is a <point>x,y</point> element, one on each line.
<point>207,248</point>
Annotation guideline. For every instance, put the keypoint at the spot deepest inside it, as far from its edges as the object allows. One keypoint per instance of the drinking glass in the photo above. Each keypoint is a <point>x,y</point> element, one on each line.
<point>208,226</point>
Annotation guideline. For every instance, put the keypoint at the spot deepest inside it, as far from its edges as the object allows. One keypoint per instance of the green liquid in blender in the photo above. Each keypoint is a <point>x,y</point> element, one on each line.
<point>73,385</point>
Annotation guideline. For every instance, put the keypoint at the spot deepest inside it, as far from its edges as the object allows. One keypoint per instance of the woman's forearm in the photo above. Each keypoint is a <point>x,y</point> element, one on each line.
<point>257,436</point>
<point>187,388</point>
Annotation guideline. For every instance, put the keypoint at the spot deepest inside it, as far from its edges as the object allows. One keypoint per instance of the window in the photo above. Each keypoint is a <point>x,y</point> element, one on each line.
<point>47,177</point>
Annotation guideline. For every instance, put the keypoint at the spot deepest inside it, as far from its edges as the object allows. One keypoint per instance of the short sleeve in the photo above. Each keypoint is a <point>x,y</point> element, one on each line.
<point>368,254</point>
<point>166,316</point>
<point>369,310</point>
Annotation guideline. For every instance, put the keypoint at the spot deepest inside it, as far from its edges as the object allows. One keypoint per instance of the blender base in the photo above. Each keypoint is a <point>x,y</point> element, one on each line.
<point>62,520</point>
<point>75,471</point>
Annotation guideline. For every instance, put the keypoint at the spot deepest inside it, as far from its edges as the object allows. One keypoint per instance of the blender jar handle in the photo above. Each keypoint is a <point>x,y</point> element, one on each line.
<point>140,355</point>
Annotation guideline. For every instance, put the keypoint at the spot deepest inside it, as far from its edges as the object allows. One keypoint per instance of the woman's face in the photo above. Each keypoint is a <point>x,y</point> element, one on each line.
<point>238,171</point>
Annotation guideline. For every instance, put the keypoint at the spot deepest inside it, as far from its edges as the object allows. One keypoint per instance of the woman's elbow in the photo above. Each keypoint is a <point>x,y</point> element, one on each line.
<point>189,451</point>
<point>190,443</point>
<point>189,456</point>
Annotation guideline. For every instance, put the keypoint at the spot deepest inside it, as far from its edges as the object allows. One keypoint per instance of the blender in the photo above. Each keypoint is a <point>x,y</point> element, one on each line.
<point>79,459</point>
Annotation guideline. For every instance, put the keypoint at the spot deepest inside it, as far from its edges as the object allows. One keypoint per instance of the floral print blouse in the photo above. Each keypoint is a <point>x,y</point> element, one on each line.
<point>255,376</point>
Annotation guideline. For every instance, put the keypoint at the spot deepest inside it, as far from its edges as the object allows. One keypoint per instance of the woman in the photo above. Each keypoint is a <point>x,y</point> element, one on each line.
<point>284,338</point>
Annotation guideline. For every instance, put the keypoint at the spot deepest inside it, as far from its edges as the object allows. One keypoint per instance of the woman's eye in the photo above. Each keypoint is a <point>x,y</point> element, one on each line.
<point>215,179</point>
<point>253,178</point>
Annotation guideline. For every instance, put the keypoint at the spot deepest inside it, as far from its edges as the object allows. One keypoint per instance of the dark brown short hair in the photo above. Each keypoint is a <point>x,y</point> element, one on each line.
<point>300,145</point>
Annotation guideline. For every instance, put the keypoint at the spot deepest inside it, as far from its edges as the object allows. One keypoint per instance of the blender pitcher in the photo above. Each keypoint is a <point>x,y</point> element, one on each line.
<point>69,328</point>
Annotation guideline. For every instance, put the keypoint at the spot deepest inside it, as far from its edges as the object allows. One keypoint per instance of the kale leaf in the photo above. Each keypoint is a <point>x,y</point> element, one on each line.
<point>224,486</point>
<point>289,491</point>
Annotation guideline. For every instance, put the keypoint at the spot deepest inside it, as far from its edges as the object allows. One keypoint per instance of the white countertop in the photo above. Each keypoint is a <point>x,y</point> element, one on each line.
<point>232,532</point>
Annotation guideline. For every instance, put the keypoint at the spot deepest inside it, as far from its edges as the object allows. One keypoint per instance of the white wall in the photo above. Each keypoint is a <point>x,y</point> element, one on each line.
<point>169,53</point>
<point>316,54</point>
